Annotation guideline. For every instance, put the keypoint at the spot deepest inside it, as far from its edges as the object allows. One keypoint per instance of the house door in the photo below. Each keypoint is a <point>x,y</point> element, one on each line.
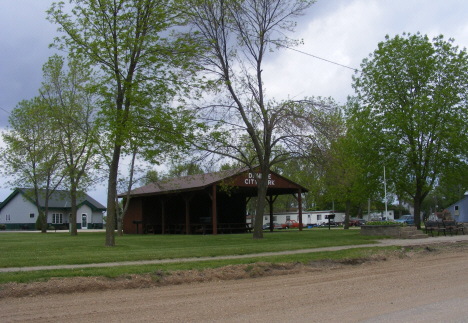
<point>84,221</point>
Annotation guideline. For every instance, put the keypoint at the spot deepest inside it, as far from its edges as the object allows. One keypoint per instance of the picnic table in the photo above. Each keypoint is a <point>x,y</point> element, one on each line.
<point>234,228</point>
<point>453,227</point>
<point>203,228</point>
<point>444,226</point>
<point>432,226</point>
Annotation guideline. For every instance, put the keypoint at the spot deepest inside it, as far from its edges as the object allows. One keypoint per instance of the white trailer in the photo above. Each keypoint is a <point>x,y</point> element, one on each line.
<point>308,217</point>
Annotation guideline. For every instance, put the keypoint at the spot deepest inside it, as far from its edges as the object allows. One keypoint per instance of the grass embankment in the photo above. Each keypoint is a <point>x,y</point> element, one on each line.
<point>35,249</point>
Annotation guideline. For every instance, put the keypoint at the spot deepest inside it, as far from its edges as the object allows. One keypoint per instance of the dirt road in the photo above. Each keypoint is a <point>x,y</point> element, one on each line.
<point>425,286</point>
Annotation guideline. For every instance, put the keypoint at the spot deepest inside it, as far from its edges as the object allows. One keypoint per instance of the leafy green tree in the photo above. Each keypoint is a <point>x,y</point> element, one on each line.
<point>151,176</point>
<point>31,154</point>
<point>305,173</point>
<point>452,187</point>
<point>412,96</point>
<point>184,169</point>
<point>70,100</point>
<point>238,35</point>
<point>142,67</point>
<point>345,174</point>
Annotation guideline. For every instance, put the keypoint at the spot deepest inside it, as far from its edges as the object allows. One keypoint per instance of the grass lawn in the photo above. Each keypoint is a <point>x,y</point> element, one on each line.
<point>36,249</point>
<point>112,272</point>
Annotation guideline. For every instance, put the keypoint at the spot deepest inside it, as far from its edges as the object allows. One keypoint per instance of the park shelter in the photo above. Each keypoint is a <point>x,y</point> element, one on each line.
<point>205,203</point>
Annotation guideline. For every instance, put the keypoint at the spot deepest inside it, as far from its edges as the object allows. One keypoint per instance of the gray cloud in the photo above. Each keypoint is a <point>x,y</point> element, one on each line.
<point>344,31</point>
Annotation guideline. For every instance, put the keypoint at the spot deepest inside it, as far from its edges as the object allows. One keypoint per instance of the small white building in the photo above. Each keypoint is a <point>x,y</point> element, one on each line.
<point>380,215</point>
<point>19,210</point>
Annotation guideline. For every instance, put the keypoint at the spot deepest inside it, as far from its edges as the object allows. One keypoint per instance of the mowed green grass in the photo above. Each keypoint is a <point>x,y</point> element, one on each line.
<point>116,271</point>
<point>37,249</point>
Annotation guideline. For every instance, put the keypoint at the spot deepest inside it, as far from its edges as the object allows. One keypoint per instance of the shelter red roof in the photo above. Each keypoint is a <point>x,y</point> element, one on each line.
<point>237,177</point>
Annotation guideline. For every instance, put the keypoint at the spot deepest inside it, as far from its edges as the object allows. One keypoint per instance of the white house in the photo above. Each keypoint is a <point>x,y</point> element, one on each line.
<point>308,217</point>
<point>19,210</point>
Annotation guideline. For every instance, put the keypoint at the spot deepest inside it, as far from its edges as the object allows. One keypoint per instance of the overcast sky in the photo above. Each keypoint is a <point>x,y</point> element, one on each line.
<point>342,31</point>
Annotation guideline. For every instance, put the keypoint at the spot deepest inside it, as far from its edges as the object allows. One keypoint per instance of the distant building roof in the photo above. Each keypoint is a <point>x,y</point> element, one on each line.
<point>60,199</point>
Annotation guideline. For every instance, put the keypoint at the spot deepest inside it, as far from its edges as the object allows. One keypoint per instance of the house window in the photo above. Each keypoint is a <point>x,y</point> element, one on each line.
<point>319,217</point>
<point>288,217</point>
<point>7,217</point>
<point>56,218</point>
<point>31,215</point>
<point>266,218</point>
<point>456,207</point>
<point>275,218</point>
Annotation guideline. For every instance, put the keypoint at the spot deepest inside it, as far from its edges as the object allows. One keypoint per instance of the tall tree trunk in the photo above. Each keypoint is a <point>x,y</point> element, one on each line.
<point>261,201</point>
<point>400,205</point>
<point>417,209</point>
<point>73,230</point>
<point>40,213</point>
<point>359,211</point>
<point>119,218</point>
<point>46,210</point>
<point>348,207</point>
<point>111,197</point>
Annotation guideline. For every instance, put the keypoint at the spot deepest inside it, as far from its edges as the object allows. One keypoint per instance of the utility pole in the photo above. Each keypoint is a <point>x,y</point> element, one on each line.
<point>368,209</point>
<point>385,187</point>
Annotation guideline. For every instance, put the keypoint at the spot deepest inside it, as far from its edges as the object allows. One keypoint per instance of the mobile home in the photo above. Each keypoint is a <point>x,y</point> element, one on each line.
<point>308,217</point>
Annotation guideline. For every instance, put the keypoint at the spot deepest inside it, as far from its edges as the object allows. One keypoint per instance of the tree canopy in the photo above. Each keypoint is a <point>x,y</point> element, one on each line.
<point>142,68</point>
<point>245,124</point>
<point>69,96</point>
<point>32,154</point>
<point>411,111</point>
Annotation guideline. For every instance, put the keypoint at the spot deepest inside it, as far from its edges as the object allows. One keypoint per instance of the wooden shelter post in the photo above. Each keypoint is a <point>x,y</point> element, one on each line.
<point>187,199</point>
<point>299,201</point>
<point>271,214</point>
<point>270,202</point>
<point>163,217</point>
<point>213,205</point>
<point>247,200</point>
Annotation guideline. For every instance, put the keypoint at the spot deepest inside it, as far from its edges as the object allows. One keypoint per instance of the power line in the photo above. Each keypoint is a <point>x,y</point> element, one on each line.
<point>323,59</point>
<point>5,110</point>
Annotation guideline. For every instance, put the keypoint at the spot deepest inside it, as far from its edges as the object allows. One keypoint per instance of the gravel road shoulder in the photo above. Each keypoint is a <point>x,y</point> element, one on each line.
<point>390,287</point>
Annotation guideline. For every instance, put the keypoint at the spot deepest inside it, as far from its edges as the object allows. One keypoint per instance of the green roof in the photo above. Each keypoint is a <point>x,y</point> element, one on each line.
<point>59,199</point>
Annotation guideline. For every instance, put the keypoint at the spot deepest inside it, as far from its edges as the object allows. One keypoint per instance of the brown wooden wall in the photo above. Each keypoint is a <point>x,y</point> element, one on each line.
<point>134,213</point>
<point>148,209</point>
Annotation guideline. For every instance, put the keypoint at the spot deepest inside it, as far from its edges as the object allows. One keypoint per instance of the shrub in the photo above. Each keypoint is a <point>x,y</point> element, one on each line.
<point>62,227</point>
<point>381,223</point>
<point>39,222</point>
<point>51,228</point>
<point>2,227</point>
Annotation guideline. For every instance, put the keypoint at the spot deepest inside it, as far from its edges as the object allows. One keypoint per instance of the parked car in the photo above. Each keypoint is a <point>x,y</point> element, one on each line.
<point>408,219</point>
<point>332,224</point>
<point>361,222</point>
<point>356,222</point>
<point>275,226</point>
<point>292,224</point>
